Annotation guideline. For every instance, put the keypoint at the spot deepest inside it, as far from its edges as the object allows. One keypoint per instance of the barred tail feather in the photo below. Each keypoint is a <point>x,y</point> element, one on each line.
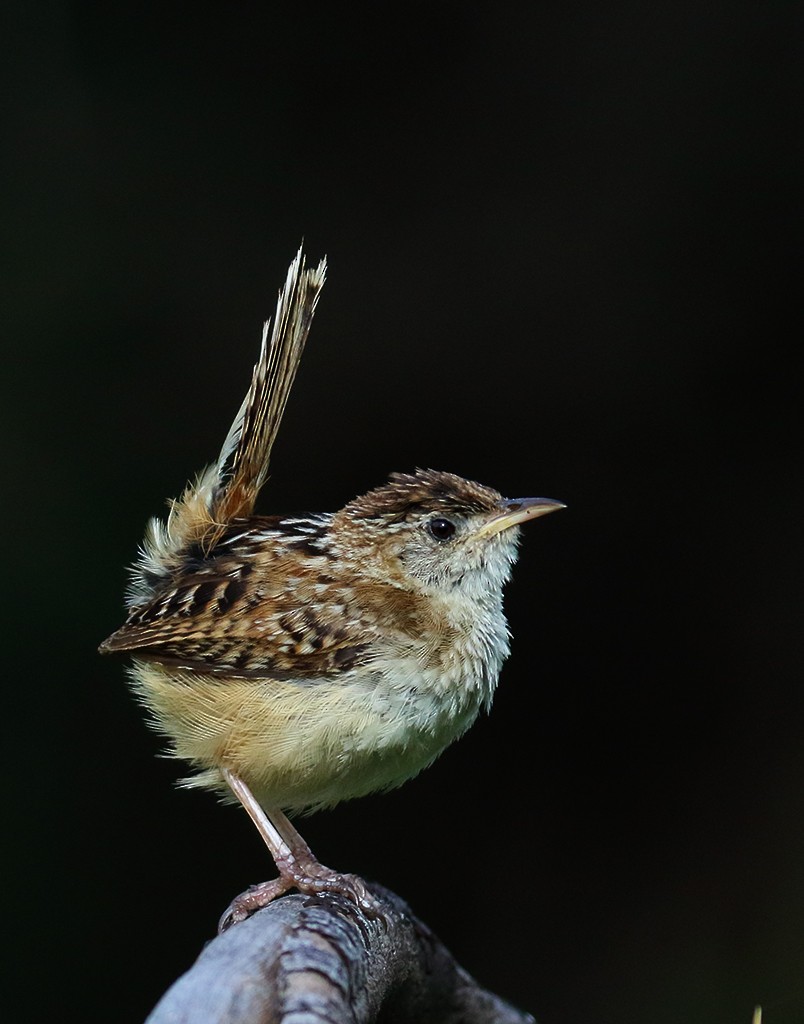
<point>242,466</point>
<point>228,489</point>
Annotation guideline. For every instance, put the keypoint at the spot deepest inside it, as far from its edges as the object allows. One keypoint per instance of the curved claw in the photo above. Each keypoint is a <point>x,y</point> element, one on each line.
<point>352,887</point>
<point>251,900</point>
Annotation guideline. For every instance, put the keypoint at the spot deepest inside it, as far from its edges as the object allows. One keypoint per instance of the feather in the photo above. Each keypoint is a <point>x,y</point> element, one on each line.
<point>242,466</point>
<point>228,488</point>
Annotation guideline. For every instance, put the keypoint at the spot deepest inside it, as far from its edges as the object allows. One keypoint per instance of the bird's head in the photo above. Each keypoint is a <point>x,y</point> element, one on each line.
<point>438,530</point>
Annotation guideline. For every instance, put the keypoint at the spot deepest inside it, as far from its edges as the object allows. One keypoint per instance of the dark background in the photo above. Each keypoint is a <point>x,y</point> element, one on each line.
<point>559,264</point>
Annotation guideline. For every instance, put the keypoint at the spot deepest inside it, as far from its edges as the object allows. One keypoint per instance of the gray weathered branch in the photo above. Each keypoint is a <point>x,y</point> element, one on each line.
<point>321,961</point>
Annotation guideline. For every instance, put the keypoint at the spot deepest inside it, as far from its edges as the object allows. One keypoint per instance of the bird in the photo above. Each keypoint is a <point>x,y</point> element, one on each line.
<point>296,661</point>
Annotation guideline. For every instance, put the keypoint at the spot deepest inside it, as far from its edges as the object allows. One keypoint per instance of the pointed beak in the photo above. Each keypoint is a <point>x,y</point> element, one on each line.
<point>514,511</point>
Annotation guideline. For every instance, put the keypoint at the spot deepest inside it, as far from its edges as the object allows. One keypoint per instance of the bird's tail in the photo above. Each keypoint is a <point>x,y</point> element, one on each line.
<point>228,488</point>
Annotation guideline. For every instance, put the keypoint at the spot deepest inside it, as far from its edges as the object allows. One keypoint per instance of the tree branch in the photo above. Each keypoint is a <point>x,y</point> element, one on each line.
<point>320,960</point>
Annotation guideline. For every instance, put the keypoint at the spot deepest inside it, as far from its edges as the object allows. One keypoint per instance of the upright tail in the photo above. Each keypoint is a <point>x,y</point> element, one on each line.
<point>228,488</point>
<point>242,465</point>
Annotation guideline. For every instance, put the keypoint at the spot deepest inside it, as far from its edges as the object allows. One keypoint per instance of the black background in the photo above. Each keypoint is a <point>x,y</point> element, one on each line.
<point>558,246</point>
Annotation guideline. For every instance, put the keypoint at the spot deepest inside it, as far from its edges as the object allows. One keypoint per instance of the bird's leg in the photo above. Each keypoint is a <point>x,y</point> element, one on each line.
<point>257,896</point>
<point>316,877</point>
<point>298,868</point>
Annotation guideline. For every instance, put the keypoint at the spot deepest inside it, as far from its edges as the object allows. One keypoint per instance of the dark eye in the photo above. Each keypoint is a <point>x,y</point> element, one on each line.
<point>441,529</point>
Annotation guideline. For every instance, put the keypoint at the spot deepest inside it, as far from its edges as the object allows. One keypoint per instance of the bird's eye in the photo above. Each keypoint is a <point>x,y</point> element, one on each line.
<point>441,529</point>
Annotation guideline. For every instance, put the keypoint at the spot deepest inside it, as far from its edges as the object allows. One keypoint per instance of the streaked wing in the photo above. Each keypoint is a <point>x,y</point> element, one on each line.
<point>245,612</point>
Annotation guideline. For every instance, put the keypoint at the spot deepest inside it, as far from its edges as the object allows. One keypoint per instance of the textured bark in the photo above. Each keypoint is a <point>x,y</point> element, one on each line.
<point>320,960</point>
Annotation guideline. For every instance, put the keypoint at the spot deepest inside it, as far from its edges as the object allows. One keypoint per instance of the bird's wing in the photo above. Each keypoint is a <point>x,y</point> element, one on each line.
<point>252,613</point>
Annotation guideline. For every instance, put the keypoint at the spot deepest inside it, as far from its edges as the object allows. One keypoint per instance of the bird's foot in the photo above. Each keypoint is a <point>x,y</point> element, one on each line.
<point>318,880</point>
<point>311,879</point>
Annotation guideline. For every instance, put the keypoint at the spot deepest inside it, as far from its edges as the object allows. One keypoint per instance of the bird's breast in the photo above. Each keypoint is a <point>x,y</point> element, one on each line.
<point>442,675</point>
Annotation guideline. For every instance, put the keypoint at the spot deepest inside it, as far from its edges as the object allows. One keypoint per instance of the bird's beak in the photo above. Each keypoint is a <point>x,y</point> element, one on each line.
<point>518,510</point>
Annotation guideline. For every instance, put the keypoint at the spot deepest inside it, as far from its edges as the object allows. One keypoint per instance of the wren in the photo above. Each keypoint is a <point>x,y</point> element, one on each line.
<point>297,661</point>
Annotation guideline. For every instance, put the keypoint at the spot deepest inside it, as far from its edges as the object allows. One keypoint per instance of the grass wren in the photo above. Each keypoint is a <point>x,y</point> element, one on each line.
<point>297,661</point>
